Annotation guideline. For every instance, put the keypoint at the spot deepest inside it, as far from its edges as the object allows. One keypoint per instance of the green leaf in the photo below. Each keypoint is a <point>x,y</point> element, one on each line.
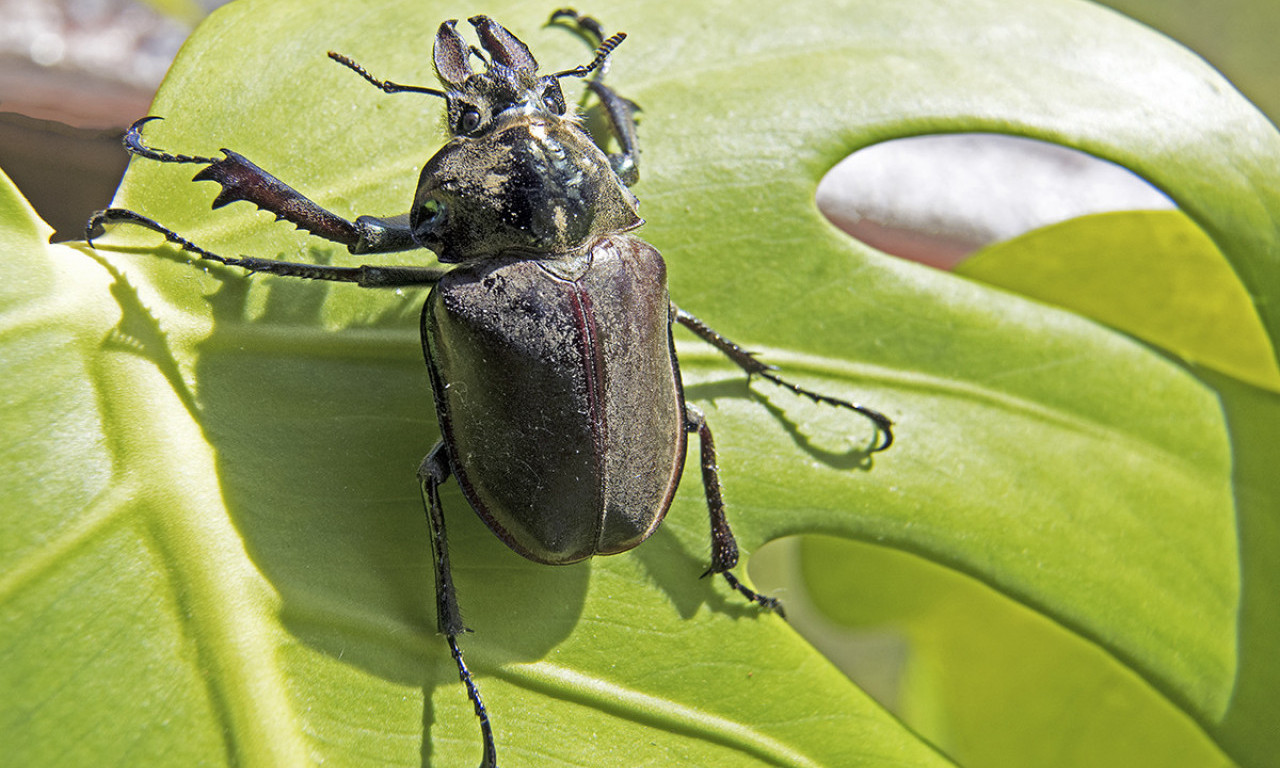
<point>218,526</point>
<point>188,11</point>
<point>993,682</point>
<point>1234,36</point>
<point>1152,274</point>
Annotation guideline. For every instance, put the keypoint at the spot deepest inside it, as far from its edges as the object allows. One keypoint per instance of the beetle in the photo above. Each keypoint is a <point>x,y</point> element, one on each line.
<point>549,345</point>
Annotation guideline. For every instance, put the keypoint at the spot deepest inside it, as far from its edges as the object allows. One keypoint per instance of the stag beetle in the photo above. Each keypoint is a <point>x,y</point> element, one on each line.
<point>549,346</point>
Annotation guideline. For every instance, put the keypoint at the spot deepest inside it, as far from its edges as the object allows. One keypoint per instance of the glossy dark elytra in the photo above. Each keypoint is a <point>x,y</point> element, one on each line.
<point>549,346</point>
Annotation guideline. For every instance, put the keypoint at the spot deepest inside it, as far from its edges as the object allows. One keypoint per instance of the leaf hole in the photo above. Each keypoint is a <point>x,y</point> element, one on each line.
<point>936,199</point>
<point>1059,226</point>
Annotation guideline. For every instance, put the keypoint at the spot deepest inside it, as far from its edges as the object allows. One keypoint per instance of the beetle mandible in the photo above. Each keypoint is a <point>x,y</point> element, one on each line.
<point>553,303</point>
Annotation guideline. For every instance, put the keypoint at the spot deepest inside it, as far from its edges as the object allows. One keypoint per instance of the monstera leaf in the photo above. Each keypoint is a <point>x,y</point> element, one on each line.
<point>213,547</point>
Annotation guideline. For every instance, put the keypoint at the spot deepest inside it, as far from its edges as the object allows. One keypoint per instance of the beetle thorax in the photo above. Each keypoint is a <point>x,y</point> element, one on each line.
<point>519,176</point>
<point>533,183</point>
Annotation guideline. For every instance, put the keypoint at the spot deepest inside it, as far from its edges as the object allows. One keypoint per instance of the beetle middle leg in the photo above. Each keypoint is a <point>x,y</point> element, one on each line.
<point>433,472</point>
<point>724,547</point>
<point>366,275</point>
<point>747,362</point>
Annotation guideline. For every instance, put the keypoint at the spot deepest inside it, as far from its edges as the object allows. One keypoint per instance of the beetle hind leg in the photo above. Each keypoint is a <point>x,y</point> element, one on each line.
<point>724,547</point>
<point>433,472</point>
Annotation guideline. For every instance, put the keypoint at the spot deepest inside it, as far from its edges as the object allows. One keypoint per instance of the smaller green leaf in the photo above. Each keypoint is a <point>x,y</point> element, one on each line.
<point>187,11</point>
<point>989,681</point>
<point>1152,274</point>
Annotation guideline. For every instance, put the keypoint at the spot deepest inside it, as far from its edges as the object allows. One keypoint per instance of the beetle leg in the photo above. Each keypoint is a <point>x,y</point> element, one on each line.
<point>622,121</point>
<point>242,180</point>
<point>433,472</point>
<point>587,27</point>
<point>747,361</point>
<point>366,276</point>
<point>620,111</point>
<point>724,547</point>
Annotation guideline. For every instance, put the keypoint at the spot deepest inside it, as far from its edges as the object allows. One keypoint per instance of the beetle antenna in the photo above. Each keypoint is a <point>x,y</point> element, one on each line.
<point>602,54</point>
<point>386,85</point>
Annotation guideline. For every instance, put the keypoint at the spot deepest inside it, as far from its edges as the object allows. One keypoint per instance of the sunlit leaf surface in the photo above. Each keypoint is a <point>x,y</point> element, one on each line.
<point>213,550</point>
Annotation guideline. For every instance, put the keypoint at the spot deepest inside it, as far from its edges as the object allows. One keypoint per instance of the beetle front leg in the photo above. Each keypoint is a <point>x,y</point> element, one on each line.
<point>724,547</point>
<point>242,180</point>
<point>747,362</point>
<point>620,111</point>
<point>433,472</point>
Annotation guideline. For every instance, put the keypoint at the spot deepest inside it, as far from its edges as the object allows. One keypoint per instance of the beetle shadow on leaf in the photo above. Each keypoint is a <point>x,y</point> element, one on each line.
<point>139,332</point>
<point>306,304</point>
<point>318,436</point>
<point>677,569</point>
<point>855,456</point>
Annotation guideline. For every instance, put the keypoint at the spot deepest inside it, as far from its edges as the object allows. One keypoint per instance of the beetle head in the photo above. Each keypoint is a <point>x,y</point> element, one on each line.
<point>510,80</point>
<point>518,173</point>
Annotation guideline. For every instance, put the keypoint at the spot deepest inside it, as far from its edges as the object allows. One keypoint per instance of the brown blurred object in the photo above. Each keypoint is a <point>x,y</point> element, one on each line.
<point>73,74</point>
<point>67,173</point>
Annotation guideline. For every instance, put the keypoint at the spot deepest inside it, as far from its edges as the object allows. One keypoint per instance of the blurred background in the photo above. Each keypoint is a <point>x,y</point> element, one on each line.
<point>75,73</point>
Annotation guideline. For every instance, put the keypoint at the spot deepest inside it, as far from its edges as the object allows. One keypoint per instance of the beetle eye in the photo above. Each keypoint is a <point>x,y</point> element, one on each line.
<point>429,212</point>
<point>468,121</point>
<point>553,104</point>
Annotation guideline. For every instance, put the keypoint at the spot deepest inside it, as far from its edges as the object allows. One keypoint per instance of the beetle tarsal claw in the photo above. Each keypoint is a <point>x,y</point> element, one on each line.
<point>134,144</point>
<point>772,604</point>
